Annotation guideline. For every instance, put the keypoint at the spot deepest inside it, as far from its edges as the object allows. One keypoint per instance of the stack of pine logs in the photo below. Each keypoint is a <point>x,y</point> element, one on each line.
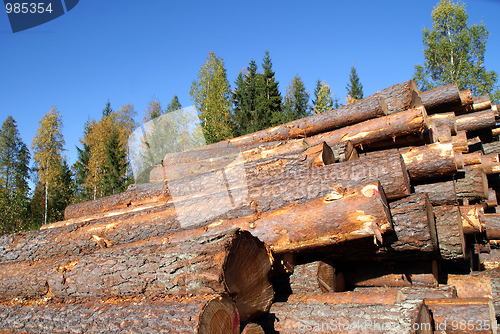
<point>368,218</point>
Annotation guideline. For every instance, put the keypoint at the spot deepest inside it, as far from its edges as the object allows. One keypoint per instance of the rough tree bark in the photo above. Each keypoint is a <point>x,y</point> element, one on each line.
<point>234,262</point>
<point>473,158</point>
<point>441,99</point>
<point>471,185</point>
<point>400,97</point>
<point>476,121</point>
<point>492,226</point>
<point>444,119</point>
<point>490,148</point>
<point>210,314</point>
<point>366,296</point>
<point>449,231</point>
<point>441,191</point>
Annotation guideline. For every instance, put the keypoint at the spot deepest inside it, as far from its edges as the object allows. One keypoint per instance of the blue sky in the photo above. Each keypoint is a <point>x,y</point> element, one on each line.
<point>129,51</point>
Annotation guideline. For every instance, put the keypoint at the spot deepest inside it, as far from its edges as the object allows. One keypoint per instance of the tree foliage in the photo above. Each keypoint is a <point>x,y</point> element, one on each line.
<point>295,102</point>
<point>211,94</point>
<point>270,102</point>
<point>354,87</point>
<point>173,105</point>
<point>454,52</point>
<point>323,100</point>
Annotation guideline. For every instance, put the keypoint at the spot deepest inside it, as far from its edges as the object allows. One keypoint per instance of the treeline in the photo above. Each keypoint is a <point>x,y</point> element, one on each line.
<point>103,167</point>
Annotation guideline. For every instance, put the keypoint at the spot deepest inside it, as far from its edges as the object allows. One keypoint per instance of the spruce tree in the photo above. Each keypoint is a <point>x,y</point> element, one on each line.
<point>62,193</point>
<point>295,102</point>
<point>239,116</point>
<point>322,98</point>
<point>173,105</point>
<point>270,102</point>
<point>115,176</point>
<point>354,87</point>
<point>107,110</point>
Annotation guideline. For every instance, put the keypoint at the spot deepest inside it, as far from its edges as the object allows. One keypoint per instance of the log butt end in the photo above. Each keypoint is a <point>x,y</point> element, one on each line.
<point>220,316</point>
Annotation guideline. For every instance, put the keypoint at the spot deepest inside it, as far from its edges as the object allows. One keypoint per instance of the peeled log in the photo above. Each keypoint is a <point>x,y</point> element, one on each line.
<point>364,109</point>
<point>476,121</point>
<point>441,99</point>
<point>268,195</point>
<point>234,262</point>
<point>401,318</point>
<point>209,314</point>
<point>441,191</point>
<point>449,231</point>
<point>400,97</point>
<point>346,213</point>
<point>399,124</point>
<point>471,184</point>
<point>414,224</point>
<point>462,315</point>
<point>366,296</point>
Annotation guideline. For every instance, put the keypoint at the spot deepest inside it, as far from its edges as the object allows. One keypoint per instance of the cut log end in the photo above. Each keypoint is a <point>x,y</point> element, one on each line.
<point>245,273</point>
<point>220,316</point>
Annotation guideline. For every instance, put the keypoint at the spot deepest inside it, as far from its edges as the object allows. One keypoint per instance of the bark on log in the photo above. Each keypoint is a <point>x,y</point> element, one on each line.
<point>209,314</point>
<point>460,141</point>
<point>492,226</point>
<point>399,124</point>
<point>362,110</point>
<point>416,139</point>
<point>476,121</point>
<point>317,276</point>
<point>490,148</point>
<point>459,160</point>
<point>267,195</point>
<point>416,292</point>
<point>495,132</point>
<point>489,163</point>
<point>473,158</point>
<point>135,196</point>
<point>486,285</point>
<point>471,184</point>
<point>441,191</point>
<point>479,103</point>
<point>472,219</point>
<point>366,296</point>
<point>405,317</point>
<point>441,99</point>
<point>444,119</point>
<point>253,328</point>
<point>449,231</point>
<point>389,274</point>
<point>400,97</point>
<point>462,315</point>
<point>441,134</point>
<point>466,97</point>
<point>414,224</point>
<point>491,201</point>
<point>235,263</point>
<point>346,213</point>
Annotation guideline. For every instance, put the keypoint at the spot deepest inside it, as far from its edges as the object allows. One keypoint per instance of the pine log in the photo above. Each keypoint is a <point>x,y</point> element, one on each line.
<point>317,276</point>
<point>399,124</point>
<point>495,132</point>
<point>268,195</point>
<point>479,103</point>
<point>414,224</point>
<point>471,184</point>
<point>490,260</point>
<point>473,158</point>
<point>441,134</point>
<point>441,99</point>
<point>235,263</point>
<point>424,162</point>
<point>346,213</point>
<point>476,121</point>
<point>440,191</point>
<point>400,97</point>
<point>466,98</point>
<point>209,314</point>
<point>489,163</point>
<point>401,318</point>
<point>490,148</point>
<point>135,196</point>
<point>258,158</point>
<point>492,226</point>
<point>449,231</point>
<point>459,160</point>
<point>444,119</point>
<point>415,292</point>
<point>344,152</point>
<point>253,328</point>
<point>460,141</point>
<point>462,315</point>
<point>414,139</point>
<point>389,273</point>
<point>362,110</point>
<point>491,201</point>
<point>366,296</point>
<point>472,219</point>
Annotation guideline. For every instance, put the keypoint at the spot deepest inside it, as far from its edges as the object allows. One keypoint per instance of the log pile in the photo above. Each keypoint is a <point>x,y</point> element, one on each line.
<point>372,217</point>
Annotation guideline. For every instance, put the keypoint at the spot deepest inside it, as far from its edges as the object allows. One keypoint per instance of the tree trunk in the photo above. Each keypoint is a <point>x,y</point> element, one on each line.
<point>209,314</point>
<point>400,97</point>
<point>441,99</point>
<point>466,98</point>
<point>444,119</point>
<point>198,211</point>
<point>473,158</point>
<point>346,213</point>
<point>471,184</point>
<point>489,163</point>
<point>490,148</point>
<point>234,262</point>
<point>441,134</point>
<point>492,226</point>
<point>476,121</point>
<point>389,274</point>
<point>449,231</point>
<point>401,318</point>
<point>441,191</point>
<point>414,224</point>
<point>472,219</point>
<point>399,124</point>
<point>462,315</point>
<point>366,296</point>
<point>414,292</point>
<point>415,139</point>
<point>460,141</point>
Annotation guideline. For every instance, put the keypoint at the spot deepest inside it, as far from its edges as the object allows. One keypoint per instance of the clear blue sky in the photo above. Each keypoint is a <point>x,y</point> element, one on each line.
<point>129,51</point>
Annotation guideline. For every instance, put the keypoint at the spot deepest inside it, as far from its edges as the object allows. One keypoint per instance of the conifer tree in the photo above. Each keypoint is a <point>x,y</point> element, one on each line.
<point>62,193</point>
<point>47,149</point>
<point>115,176</point>
<point>270,102</point>
<point>354,87</point>
<point>173,105</point>
<point>212,97</point>
<point>107,110</point>
<point>322,98</point>
<point>153,110</point>
<point>295,102</point>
